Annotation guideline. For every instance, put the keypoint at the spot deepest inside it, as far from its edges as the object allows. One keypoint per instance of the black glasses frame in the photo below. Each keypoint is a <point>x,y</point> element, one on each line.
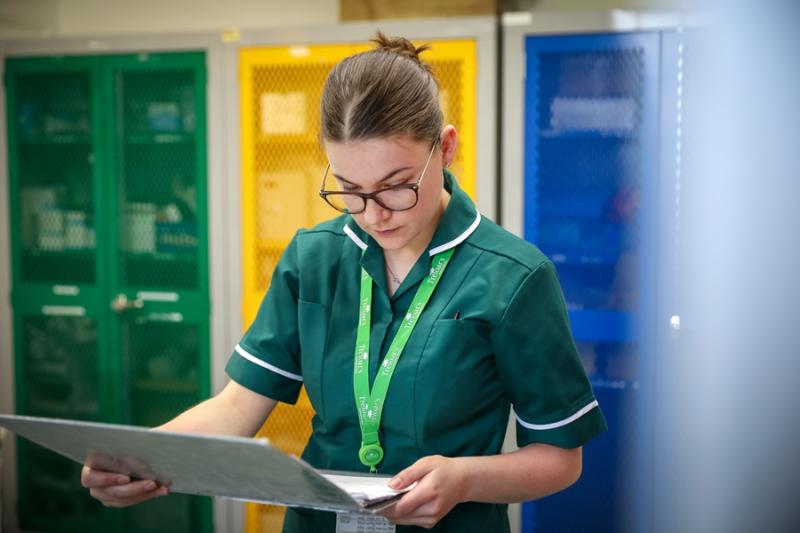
<point>374,195</point>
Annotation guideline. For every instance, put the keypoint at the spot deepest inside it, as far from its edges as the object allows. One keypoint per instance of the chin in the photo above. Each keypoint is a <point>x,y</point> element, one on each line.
<point>389,244</point>
<point>394,242</point>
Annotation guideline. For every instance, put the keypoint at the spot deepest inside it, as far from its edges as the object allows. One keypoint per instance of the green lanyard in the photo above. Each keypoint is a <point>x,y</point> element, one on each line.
<point>370,406</point>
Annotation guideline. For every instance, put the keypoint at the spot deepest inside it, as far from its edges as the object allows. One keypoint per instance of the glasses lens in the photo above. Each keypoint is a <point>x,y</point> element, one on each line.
<point>346,203</point>
<point>398,199</point>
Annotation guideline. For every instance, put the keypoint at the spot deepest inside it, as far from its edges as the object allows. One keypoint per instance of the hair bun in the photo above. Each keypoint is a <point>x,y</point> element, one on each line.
<point>401,46</point>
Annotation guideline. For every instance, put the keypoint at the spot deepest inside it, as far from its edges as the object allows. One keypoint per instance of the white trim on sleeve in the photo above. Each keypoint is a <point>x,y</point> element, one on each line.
<point>458,240</point>
<point>560,423</point>
<point>353,237</point>
<point>256,361</point>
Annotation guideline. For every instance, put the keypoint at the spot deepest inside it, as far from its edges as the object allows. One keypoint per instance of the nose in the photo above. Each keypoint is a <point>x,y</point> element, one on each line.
<point>374,213</point>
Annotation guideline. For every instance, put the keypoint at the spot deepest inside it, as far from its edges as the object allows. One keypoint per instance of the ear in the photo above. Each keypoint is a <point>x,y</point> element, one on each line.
<point>448,140</point>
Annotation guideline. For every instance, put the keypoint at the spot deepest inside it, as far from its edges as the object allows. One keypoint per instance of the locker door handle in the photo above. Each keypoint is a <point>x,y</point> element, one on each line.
<point>63,310</point>
<point>121,303</point>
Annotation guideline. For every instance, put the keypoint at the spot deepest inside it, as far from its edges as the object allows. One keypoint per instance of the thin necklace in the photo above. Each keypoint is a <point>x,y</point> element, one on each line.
<point>392,274</point>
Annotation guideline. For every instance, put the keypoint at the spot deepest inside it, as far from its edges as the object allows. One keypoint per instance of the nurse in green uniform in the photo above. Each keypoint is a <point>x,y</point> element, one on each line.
<point>413,322</point>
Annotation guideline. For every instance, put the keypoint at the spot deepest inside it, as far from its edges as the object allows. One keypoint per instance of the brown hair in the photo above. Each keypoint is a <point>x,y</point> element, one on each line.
<point>381,93</point>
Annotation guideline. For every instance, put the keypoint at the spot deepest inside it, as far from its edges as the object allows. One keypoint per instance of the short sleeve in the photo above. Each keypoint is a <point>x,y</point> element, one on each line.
<point>267,358</point>
<point>540,367</point>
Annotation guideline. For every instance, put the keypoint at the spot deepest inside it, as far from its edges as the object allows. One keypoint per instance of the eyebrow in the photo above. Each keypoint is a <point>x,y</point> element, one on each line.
<point>388,176</point>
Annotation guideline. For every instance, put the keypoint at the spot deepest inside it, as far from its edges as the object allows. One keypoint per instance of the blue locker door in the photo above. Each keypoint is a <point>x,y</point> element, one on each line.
<point>591,112</point>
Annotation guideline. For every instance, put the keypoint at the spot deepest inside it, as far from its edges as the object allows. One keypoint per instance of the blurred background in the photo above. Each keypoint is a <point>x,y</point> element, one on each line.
<point>156,158</point>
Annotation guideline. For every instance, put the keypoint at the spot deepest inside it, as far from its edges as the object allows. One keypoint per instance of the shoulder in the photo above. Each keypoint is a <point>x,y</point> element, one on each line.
<point>315,256</point>
<point>329,229</point>
<point>502,247</point>
<point>327,235</point>
<point>319,245</point>
<point>510,268</point>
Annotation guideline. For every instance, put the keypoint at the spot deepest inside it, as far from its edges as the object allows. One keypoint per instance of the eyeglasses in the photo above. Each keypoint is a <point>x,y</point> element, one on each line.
<point>398,198</point>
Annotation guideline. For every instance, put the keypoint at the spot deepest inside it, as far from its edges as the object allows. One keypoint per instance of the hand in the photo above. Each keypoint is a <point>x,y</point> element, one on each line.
<point>440,486</point>
<point>117,490</point>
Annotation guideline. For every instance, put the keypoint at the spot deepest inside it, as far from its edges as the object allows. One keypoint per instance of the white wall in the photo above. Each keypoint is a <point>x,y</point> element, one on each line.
<point>602,5</point>
<point>20,18</point>
<point>66,18</point>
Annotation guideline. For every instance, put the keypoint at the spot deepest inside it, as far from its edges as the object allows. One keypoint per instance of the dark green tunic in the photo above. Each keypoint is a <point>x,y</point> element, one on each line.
<point>494,334</point>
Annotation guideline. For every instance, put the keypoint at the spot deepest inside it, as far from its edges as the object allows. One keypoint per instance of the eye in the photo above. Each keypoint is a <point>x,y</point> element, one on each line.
<point>398,182</point>
<point>347,187</point>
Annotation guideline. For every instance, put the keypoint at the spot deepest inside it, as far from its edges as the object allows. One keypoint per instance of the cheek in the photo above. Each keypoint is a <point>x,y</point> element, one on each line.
<point>429,197</point>
<point>359,219</point>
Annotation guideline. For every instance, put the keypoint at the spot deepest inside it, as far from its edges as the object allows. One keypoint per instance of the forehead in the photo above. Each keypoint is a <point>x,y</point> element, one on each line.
<point>369,160</point>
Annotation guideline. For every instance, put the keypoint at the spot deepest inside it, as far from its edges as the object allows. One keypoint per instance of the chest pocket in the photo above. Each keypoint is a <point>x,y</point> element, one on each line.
<point>313,319</point>
<point>457,376</point>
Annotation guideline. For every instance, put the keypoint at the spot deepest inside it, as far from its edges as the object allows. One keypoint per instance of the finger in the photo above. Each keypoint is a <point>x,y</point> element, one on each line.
<point>413,500</point>
<point>91,478</point>
<point>413,473</point>
<point>114,502</point>
<point>127,495</point>
<point>389,513</point>
<point>426,523</point>
<point>418,519</point>
<point>426,516</point>
<point>430,510</point>
<point>130,490</point>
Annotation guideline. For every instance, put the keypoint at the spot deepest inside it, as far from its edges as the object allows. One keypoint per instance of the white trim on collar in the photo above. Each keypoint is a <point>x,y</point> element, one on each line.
<point>433,251</point>
<point>350,233</point>
<point>458,240</point>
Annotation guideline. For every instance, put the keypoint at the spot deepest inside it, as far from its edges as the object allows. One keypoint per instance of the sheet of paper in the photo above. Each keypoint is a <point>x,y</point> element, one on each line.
<point>359,523</point>
<point>366,488</point>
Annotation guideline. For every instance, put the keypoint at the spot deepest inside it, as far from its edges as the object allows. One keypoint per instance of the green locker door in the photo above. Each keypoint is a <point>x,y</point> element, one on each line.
<point>109,255</point>
<point>60,378</point>
<point>57,274</point>
<point>158,254</point>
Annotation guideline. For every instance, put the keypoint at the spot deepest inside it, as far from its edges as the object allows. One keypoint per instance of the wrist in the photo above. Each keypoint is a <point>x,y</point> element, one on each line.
<point>467,478</point>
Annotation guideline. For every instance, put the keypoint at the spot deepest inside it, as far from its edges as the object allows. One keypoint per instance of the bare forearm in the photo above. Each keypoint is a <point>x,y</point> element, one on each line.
<point>234,411</point>
<point>212,416</point>
<point>525,474</point>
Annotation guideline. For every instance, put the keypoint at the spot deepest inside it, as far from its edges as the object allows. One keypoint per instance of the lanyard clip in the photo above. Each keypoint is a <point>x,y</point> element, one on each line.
<point>370,455</point>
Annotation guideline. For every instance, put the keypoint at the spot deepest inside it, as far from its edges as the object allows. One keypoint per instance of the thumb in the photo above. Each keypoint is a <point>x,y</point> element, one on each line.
<point>411,474</point>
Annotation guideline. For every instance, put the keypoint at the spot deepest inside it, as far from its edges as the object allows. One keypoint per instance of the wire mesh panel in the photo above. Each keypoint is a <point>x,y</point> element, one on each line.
<point>172,514</point>
<point>589,115</point>
<point>52,155</point>
<point>50,497</point>
<point>57,274</point>
<point>60,369</point>
<point>161,379</point>
<point>107,188</point>
<point>160,366</point>
<point>282,168</point>
<point>282,165</point>
<point>588,148</point>
<point>158,191</point>
<point>159,280</point>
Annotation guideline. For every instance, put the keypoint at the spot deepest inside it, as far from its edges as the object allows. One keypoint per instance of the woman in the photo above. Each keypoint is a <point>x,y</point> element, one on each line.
<point>413,323</point>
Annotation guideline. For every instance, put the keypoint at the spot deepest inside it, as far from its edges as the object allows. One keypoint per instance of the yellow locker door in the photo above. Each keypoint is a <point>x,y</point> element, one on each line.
<point>282,166</point>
